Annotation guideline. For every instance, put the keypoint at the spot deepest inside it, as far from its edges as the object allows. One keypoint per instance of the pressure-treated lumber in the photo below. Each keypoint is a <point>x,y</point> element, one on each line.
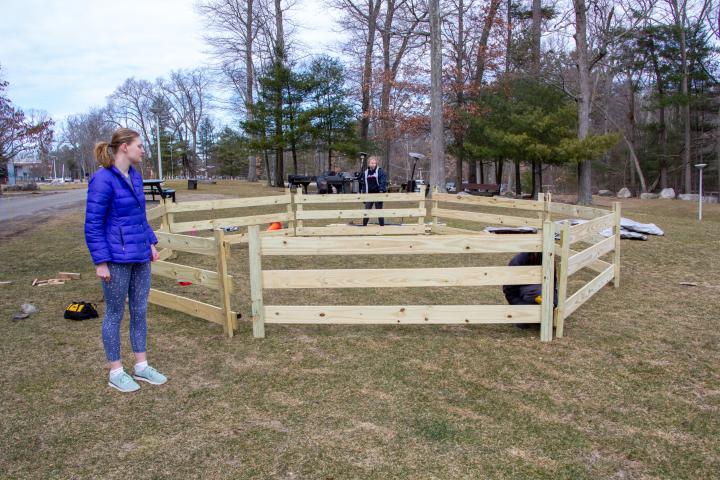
<point>616,256</point>
<point>548,281</point>
<point>255,252</point>
<point>206,205</point>
<point>194,308</point>
<point>565,210</point>
<point>401,314</point>
<point>186,243</point>
<point>402,277</point>
<point>593,227</point>
<point>360,213</point>
<point>590,289</point>
<point>404,245</point>
<point>590,255</point>
<point>224,285</point>
<point>443,229</point>
<point>156,212</point>
<point>301,198</point>
<point>183,273</point>
<point>489,218</point>
<point>499,202</point>
<point>242,237</point>
<point>562,279</point>
<point>234,222</point>
<point>331,230</point>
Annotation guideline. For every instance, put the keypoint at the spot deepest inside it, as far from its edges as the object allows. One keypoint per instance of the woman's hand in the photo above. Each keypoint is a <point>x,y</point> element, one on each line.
<point>155,254</point>
<point>102,271</point>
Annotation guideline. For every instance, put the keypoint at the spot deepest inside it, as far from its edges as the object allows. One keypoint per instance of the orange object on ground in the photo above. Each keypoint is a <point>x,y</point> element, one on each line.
<point>275,226</point>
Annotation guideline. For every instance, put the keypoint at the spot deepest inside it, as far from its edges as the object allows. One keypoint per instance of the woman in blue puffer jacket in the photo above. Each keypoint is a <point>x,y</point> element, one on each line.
<point>122,245</point>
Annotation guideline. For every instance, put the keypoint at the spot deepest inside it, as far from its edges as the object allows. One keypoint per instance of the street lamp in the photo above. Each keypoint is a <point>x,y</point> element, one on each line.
<point>157,111</point>
<point>700,166</point>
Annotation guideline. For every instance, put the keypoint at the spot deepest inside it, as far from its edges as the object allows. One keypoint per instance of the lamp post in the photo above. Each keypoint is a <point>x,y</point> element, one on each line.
<point>700,166</point>
<point>157,111</point>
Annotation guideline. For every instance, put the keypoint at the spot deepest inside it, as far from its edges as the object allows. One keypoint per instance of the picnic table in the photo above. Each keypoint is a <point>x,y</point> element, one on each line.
<point>154,187</point>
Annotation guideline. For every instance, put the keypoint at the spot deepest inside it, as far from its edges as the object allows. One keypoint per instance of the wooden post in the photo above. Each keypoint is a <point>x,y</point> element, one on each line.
<point>548,272</point>
<point>167,221</point>
<point>291,213</point>
<point>224,283</point>
<point>547,208</point>
<point>616,255</point>
<point>256,284</point>
<point>434,207</point>
<point>298,208</point>
<point>541,198</point>
<point>562,278</point>
<point>423,190</point>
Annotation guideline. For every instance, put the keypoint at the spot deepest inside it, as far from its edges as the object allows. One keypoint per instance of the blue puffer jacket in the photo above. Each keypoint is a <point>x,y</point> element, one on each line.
<point>116,228</point>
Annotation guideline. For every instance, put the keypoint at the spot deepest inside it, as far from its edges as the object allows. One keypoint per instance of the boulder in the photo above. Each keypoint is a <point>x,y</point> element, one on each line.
<point>667,193</point>
<point>690,197</point>
<point>649,196</point>
<point>605,193</point>
<point>624,193</point>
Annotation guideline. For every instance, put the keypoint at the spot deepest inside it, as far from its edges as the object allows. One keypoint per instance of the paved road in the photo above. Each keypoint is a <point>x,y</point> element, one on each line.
<point>17,206</point>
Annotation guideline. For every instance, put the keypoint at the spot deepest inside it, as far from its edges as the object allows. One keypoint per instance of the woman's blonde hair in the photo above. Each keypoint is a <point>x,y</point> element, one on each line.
<point>105,152</point>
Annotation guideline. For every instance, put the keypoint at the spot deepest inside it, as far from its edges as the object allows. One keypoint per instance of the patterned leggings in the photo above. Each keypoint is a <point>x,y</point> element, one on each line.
<point>131,281</point>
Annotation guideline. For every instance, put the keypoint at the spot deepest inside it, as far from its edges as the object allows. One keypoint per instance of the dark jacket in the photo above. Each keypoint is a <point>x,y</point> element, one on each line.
<point>368,186</point>
<point>116,228</point>
<point>525,294</point>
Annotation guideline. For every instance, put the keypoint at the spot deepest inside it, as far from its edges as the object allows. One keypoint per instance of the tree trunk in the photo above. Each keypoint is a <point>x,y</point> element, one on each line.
<point>460,97</point>
<point>437,147</point>
<point>583,65</point>
<point>484,38</point>
<point>536,35</point>
<point>367,71</point>
<point>249,79</point>
<point>518,180</point>
<point>687,170</point>
<point>387,79</point>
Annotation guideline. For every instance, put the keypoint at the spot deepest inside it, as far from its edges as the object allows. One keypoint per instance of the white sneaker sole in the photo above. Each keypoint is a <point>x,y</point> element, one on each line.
<point>121,390</point>
<point>143,379</point>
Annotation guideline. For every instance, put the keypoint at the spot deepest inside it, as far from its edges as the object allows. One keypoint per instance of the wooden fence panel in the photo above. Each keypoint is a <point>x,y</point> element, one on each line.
<point>329,199</point>
<point>224,204</point>
<point>496,202</point>
<point>212,224</point>
<point>341,230</point>
<point>360,213</point>
<point>185,305</point>
<point>183,273</point>
<point>590,255</point>
<point>593,227</point>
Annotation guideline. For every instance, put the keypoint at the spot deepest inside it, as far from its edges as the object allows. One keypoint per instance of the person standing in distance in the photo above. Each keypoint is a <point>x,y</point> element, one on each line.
<point>122,245</point>
<point>373,180</point>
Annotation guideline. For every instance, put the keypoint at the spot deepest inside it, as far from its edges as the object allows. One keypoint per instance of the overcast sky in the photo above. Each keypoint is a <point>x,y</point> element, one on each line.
<point>65,57</point>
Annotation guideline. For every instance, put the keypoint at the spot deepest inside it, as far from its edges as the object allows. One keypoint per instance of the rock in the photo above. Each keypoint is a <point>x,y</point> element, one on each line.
<point>667,193</point>
<point>690,197</point>
<point>649,196</point>
<point>624,193</point>
<point>605,193</point>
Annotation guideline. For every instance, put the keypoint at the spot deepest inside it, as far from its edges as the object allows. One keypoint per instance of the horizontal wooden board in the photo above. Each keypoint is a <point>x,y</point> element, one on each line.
<point>156,212</point>
<point>566,210</point>
<point>236,238</point>
<point>187,243</point>
<point>500,202</point>
<point>574,301</point>
<point>401,245</point>
<point>489,218</point>
<point>194,308</point>
<point>339,230</point>
<point>184,273</point>
<point>165,253</point>
<point>590,228</point>
<point>204,205</point>
<point>211,224</point>
<point>590,255</point>
<point>445,230</point>
<point>399,314</point>
<point>402,277</point>
<point>329,199</point>
<point>359,213</point>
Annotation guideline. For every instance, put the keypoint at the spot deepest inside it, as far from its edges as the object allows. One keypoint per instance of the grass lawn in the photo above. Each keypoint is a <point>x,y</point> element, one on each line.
<point>633,391</point>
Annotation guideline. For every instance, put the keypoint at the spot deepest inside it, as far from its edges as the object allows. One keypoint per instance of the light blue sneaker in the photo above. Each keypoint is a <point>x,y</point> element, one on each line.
<point>151,376</point>
<point>123,382</point>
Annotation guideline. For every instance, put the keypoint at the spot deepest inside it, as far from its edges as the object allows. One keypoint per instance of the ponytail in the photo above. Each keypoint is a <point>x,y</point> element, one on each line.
<point>102,154</point>
<point>105,152</point>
